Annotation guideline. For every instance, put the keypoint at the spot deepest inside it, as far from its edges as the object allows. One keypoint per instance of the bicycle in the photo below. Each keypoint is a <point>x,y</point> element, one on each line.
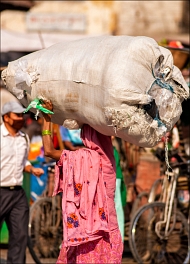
<point>142,198</point>
<point>45,224</point>
<point>153,194</point>
<point>159,231</point>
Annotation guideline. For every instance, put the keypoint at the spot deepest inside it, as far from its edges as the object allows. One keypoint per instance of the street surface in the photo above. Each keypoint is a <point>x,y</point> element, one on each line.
<point>127,257</point>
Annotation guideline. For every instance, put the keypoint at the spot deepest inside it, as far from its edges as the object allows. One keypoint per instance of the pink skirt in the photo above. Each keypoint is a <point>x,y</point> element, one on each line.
<point>108,249</point>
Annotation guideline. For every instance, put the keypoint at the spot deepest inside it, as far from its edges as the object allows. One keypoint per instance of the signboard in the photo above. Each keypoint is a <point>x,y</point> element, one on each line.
<point>55,22</point>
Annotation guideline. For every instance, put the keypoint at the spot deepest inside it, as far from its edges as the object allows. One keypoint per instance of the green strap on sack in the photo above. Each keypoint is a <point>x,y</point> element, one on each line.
<point>37,103</point>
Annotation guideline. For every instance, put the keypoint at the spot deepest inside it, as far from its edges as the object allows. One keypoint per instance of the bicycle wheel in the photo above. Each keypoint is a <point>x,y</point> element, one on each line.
<point>155,191</point>
<point>45,228</point>
<point>32,252</point>
<point>147,247</point>
<point>141,199</point>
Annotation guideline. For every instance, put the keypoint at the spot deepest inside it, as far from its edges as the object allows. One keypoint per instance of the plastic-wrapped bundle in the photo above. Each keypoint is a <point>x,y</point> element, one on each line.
<point>120,85</point>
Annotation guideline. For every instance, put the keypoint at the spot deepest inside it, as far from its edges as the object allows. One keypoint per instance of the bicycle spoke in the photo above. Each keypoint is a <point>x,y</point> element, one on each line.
<point>46,229</point>
<point>148,247</point>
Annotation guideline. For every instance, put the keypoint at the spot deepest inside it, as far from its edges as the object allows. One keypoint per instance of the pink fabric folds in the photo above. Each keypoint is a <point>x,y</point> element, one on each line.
<point>80,176</point>
<point>99,251</point>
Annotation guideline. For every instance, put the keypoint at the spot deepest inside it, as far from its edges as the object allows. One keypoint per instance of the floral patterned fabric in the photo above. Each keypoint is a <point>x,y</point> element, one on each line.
<point>84,203</point>
<point>97,251</point>
<point>87,179</point>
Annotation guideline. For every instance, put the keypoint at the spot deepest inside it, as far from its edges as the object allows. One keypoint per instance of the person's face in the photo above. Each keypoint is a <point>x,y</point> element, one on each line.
<point>15,120</point>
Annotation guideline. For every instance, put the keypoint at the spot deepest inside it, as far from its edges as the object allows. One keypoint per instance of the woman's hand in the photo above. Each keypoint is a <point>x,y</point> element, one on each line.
<point>48,105</point>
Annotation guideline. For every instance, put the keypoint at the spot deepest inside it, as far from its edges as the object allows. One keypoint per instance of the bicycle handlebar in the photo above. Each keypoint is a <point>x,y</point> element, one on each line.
<point>179,164</point>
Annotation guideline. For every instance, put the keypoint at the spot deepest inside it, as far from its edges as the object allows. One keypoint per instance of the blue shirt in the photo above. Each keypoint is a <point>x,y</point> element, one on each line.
<point>71,135</point>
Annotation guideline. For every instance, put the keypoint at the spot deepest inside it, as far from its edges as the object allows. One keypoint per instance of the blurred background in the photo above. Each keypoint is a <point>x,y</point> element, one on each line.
<point>28,26</point>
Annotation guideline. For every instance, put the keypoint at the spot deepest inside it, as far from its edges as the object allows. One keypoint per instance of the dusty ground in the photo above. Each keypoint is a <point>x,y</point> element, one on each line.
<point>127,257</point>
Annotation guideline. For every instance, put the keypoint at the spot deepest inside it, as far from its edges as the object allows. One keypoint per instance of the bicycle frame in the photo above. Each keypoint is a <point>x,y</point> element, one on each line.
<point>167,196</point>
<point>152,194</point>
<point>161,218</point>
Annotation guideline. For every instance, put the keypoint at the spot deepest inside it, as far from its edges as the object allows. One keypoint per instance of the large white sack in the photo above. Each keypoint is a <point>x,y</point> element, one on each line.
<point>105,82</point>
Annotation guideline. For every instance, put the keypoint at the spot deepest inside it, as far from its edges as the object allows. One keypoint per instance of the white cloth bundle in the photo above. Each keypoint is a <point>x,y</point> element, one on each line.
<point>120,85</point>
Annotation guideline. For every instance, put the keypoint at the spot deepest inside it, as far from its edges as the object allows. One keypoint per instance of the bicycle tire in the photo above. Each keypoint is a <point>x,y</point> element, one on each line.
<point>137,203</point>
<point>154,195</point>
<point>150,248</point>
<point>32,252</point>
<point>45,229</point>
<point>135,206</point>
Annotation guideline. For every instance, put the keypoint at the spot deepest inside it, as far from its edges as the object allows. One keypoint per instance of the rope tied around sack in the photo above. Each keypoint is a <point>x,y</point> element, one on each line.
<point>165,85</point>
<point>161,82</point>
<point>160,123</point>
